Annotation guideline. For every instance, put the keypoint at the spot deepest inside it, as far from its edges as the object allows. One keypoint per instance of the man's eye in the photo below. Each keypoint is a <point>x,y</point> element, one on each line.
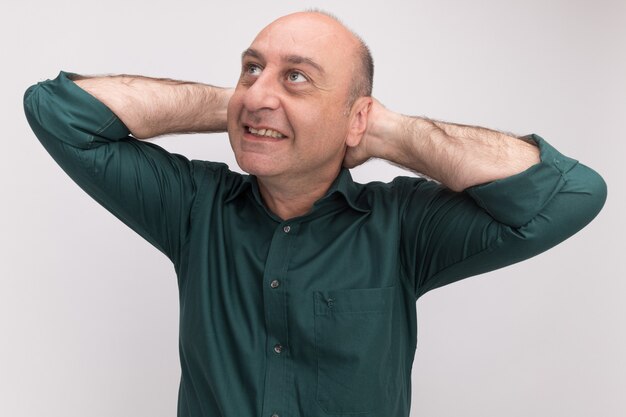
<point>253,69</point>
<point>296,77</point>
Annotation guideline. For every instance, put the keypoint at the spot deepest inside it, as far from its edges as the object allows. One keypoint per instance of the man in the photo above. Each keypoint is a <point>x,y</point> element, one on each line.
<point>297,285</point>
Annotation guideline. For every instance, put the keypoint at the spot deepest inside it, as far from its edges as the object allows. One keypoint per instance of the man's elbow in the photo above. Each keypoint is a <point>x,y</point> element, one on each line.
<point>595,189</point>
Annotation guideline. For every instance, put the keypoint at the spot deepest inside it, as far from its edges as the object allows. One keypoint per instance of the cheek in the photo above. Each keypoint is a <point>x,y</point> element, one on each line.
<point>335,128</point>
<point>232,117</point>
<point>233,114</point>
<point>318,119</point>
<point>322,132</point>
<point>234,108</point>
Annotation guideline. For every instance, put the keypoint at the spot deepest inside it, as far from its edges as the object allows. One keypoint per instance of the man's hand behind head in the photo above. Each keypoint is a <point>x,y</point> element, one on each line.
<point>378,118</point>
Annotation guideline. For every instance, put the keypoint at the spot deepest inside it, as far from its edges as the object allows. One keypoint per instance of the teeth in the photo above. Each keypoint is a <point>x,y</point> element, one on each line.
<point>266,132</point>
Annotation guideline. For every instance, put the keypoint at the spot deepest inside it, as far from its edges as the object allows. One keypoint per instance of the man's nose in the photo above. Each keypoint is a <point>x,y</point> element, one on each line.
<point>262,94</point>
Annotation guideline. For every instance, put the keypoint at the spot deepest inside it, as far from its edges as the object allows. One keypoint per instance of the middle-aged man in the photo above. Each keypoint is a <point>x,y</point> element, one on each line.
<point>298,286</point>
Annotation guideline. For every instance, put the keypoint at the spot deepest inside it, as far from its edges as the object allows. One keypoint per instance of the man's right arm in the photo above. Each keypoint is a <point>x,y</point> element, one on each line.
<point>152,107</point>
<point>148,188</point>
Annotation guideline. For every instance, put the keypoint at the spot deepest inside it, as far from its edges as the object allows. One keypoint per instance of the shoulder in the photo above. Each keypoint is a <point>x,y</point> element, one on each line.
<point>218,177</point>
<point>399,187</point>
<point>395,192</point>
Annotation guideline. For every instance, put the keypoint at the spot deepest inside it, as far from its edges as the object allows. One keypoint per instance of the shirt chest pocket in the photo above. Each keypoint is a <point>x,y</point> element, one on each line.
<point>353,346</point>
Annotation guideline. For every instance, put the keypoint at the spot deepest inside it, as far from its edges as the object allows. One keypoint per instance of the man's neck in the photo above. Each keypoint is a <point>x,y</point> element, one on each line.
<point>294,197</point>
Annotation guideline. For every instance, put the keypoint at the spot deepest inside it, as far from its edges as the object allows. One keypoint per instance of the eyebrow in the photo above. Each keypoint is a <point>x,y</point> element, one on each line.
<point>293,59</point>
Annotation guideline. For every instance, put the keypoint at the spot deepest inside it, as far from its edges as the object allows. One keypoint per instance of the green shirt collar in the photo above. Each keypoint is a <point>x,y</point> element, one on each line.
<point>343,187</point>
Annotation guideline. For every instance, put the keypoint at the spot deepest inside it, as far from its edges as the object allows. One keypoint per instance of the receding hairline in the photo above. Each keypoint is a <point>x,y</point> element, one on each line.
<point>364,68</point>
<point>355,36</point>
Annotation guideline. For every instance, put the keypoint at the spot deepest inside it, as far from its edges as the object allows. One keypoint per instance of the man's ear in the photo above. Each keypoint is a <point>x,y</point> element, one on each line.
<point>358,120</point>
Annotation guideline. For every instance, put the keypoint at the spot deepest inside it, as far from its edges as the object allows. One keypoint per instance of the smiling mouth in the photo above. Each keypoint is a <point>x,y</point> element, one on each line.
<point>264,133</point>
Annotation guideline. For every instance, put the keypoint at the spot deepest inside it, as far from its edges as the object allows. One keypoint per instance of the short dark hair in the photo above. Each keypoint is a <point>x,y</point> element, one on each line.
<point>363,81</point>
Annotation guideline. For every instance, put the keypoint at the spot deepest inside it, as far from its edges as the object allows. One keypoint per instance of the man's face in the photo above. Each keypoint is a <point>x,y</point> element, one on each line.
<point>287,117</point>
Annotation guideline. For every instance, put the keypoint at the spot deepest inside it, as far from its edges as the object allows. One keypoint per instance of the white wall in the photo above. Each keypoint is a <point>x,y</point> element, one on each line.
<point>89,311</point>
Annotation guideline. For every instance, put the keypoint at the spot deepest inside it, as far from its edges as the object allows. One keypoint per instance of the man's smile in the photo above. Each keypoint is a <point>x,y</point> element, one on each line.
<point>262,133</point>
<point>266,132</point>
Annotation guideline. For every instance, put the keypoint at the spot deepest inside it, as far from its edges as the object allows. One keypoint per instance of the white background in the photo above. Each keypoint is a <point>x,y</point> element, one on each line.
<point>89,310</point>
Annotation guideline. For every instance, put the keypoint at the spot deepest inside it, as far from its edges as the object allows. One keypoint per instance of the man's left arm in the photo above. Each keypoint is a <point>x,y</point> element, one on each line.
<point>502,199</point>
<point>458,156</point>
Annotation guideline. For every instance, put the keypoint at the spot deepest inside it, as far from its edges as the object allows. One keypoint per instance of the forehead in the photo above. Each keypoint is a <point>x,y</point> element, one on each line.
<point>318,38</point>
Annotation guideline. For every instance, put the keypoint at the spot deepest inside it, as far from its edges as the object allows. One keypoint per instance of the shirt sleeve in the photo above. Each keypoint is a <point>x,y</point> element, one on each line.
<point>447,236</point>
<point>149,189</point>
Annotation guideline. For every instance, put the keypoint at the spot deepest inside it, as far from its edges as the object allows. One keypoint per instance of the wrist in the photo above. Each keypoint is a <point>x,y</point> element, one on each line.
<point>387,138</point>
<point>220,112</point>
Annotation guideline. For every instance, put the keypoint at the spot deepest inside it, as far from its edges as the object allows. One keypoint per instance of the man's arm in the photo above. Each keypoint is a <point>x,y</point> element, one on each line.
<point>152,107</point>
<point>458,156</point>
<point>149,189</point>
<point>502,199</point>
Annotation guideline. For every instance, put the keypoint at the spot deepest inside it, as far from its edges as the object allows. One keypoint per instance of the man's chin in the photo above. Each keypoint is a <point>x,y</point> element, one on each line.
<point>259,167</point>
